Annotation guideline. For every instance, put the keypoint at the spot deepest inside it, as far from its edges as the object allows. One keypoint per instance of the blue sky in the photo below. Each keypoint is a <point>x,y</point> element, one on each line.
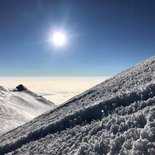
<point>107,36</point>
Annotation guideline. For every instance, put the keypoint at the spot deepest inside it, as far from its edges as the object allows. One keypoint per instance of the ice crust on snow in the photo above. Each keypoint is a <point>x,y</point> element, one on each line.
<point>114,117</point>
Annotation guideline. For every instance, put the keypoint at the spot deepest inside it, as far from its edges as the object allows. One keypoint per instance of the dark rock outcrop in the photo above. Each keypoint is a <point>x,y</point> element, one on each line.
<point>21,87</point>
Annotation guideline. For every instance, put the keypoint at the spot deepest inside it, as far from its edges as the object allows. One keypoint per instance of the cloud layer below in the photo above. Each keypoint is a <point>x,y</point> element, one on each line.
<point>56,89</point>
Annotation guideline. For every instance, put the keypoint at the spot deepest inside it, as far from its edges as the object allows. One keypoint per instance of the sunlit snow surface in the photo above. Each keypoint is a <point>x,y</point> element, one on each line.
<point>18,107</point>
<point>114,117</point>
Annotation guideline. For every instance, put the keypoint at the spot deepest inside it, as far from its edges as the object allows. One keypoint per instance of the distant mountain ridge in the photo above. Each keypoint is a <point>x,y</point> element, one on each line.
<point>19,106</point>
<point>114,117</point>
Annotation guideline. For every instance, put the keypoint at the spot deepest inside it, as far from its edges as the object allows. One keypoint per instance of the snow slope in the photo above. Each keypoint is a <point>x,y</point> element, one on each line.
<point>114,117</point>
<point>19,106</point>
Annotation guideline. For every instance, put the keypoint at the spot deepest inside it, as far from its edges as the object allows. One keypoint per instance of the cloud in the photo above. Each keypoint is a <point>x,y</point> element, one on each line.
<point>55,89</point>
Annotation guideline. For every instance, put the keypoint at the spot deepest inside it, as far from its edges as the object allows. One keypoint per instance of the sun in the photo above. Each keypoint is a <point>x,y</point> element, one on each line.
<point>59,39</point>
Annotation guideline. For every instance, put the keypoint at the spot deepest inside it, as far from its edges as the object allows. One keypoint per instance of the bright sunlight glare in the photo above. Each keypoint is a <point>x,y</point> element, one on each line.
<point>59,39</point>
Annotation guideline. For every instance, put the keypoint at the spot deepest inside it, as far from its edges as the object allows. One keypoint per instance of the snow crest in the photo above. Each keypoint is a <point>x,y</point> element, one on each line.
<point>114,117</point>
<point>18,107</point>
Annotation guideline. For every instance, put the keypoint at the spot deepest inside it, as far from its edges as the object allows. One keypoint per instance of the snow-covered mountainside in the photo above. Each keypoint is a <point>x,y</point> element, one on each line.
<point>19,106</point>
<point>114,117</point>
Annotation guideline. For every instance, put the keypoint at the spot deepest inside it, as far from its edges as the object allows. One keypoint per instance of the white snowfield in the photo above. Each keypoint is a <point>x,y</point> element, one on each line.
<point>18,107</point>
<point>114,117</point>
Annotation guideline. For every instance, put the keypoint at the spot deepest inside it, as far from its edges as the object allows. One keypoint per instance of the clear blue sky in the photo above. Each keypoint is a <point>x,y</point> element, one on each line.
<point>107,36</point>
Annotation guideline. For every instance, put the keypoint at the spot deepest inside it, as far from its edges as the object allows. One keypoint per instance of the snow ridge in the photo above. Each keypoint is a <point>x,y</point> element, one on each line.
<point>114,117</point>
<point>20,106</point>
<point>83,116</point>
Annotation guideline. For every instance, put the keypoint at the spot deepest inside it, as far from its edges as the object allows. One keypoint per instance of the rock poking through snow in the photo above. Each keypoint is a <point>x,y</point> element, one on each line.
<point>21,87</point>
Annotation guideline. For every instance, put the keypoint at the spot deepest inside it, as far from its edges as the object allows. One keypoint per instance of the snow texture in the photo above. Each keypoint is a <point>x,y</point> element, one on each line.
<point>19,106</point>
<point>114,117</point>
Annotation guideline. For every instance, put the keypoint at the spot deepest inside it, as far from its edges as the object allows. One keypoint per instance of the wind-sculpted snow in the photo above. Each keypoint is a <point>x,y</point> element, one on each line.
<point>87,115</point>
<point>114,117</point>
<point>18,107</point>
<point>126,131</point>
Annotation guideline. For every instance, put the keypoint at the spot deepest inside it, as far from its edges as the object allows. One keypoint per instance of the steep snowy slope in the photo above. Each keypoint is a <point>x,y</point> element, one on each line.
<point>114,117</point>
<point>19,106</point>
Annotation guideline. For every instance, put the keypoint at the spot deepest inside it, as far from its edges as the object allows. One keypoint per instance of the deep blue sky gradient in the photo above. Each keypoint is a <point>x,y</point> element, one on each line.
<point>107,36</point>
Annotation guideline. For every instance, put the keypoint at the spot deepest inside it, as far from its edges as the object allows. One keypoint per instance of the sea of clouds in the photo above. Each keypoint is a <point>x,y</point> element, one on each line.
<point>55,89</point>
